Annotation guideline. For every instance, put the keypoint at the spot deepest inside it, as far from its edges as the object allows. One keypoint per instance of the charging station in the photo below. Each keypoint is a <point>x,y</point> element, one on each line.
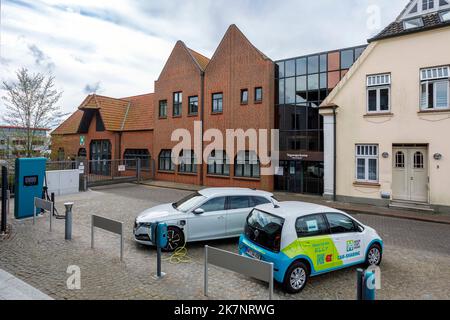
<point>30,173</point>
<point>159,238</point>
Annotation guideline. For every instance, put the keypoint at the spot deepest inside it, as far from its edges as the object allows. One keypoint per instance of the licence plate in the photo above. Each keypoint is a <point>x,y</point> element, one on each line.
<point>253,254</point>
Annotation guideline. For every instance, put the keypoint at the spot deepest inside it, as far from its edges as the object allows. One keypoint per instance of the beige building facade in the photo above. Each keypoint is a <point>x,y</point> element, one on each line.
<point>387,123</point>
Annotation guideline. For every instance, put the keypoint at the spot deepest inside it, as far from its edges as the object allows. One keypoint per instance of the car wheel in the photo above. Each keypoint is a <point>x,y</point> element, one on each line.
<point>374,255</point>
<point>296,277</point>
<point>175,238</point>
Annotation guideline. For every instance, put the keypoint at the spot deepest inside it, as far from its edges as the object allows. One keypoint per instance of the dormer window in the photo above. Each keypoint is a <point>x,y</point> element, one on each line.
<point>413,23</point>
<point>445,16</point>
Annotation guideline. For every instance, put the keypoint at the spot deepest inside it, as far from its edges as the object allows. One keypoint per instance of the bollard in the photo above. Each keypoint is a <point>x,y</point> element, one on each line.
<point>369,285</point>
<point>4,199</point>
<point>68,222</point>
<point>359,283</point>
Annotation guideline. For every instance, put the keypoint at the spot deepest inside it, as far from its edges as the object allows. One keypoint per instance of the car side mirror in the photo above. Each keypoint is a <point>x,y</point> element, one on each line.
<point>198,211</point>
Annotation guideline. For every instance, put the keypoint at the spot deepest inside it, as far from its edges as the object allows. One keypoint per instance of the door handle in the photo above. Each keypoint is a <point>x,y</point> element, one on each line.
<point>221,217</point>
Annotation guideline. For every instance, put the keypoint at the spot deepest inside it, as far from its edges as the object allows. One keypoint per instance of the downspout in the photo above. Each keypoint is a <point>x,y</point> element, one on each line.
<point>334,154</point>
<point>202,118</point>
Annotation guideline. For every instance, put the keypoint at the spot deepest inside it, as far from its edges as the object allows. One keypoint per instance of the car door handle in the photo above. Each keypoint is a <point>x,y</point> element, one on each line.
<point>221,217</point>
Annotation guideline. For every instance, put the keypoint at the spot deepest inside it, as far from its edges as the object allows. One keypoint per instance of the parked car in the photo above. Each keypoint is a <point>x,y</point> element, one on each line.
<point>303,240</point>
<point>213,213</point>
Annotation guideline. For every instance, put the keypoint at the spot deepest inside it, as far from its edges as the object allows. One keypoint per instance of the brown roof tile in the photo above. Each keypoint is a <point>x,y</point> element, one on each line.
<point>71,125</point>
<point>396,28</point>
<point>140,113</point>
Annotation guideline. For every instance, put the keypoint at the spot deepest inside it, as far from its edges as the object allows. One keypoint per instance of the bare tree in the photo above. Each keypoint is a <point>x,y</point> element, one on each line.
<point>31,103</point>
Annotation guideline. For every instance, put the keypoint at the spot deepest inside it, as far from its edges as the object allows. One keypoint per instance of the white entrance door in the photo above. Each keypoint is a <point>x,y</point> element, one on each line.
<point>410,174</point>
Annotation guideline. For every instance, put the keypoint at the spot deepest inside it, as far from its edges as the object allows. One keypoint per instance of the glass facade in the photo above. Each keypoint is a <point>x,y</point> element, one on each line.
<point>302,85</point>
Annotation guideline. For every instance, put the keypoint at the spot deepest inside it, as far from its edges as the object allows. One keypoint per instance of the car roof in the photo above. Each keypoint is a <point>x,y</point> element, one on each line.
<point>210,192</point>
<point>295,209</point>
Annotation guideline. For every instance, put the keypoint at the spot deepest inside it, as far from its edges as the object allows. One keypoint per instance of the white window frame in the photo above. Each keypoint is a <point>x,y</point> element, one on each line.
<point>366,152</point>
<point>419,19</point>
<point>379,82</point>
<point>434,75</point>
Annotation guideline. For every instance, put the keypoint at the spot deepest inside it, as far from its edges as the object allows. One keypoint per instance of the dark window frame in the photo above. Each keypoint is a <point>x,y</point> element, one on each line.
<point>256,94</point>
<point>131,155</point>
<point>177,104</point>
<point>215,102</point>
<point>190,104</point>
<point>242,96</point>
<point>239,168</point>
<point>164,155</point>
<point>162,106</point>
<point>225,164</point>
<point>190,168</point>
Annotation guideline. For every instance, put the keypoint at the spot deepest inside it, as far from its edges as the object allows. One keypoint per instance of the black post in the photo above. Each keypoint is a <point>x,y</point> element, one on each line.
<point>52,199</point>
<point>4,198</point>
<point>359,283</point>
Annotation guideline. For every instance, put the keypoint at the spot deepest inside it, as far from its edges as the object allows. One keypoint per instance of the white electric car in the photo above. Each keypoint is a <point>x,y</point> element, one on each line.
<point>213,213</point>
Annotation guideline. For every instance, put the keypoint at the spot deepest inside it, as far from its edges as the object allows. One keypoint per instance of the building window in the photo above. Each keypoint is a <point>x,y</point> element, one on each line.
<point>188,164</point>
<point>217,102</point>
<point>427,5</point>
<point>193,105</point>
<point>445,16</point>
<point>258,94</point>
<point>165,162</point>
<point>367,163</point>
<point>434,92</point>
<point>163,108</point>
<point>244,96</point>
<point>131,155</point>
<point>177,103</point>
<point>247,165</point>
<point>378,93</point>
<point>218,163</point>
<point>413,23</point>
<point>400,160</point>
<point>418,160</point>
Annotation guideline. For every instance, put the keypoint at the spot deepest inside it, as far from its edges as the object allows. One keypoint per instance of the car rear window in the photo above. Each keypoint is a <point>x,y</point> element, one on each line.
<point>264,229</point>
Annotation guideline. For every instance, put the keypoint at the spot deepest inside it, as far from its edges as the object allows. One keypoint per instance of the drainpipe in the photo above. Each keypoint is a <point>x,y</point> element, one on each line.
<point>202,118</point>
<point>334,154</point>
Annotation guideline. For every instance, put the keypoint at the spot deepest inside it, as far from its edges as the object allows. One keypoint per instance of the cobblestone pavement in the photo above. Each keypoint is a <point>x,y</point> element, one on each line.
<point>416,262</point>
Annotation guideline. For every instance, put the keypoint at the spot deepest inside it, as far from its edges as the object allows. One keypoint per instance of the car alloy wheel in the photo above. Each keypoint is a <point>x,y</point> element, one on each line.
<point>298,278</point>
<point>174,239</point>
<point>373,257</point>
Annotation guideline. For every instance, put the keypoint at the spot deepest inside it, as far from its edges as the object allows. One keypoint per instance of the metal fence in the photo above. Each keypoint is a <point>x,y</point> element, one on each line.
<point>104,171</point>
<point>98,172</point>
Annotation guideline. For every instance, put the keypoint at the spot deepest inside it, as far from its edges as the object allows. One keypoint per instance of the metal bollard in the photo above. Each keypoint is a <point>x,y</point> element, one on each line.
<point>68,222</point>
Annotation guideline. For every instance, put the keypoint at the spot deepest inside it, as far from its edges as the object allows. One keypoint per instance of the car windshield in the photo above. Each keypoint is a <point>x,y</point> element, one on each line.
<point>264,229</point>
<point>188,202</point>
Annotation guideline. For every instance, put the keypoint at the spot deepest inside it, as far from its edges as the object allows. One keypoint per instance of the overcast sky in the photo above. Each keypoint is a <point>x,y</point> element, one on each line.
<point>118,47</point>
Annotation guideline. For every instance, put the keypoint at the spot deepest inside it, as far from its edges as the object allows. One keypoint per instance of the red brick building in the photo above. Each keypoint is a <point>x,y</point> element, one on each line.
<point>233,90</point>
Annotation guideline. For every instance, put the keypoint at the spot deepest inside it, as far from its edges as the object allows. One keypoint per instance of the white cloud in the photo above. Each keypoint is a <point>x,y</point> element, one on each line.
<point>123,45</point>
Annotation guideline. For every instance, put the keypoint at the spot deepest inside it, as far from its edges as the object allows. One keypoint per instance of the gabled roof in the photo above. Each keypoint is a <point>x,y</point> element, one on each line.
<point>127,114</point>
<point>431,19</point>
<point>234,29</point>
<point>71,125</point>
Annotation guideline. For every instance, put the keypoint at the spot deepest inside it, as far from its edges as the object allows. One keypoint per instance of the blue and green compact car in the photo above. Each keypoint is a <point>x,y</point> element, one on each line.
<point>304,239</point>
